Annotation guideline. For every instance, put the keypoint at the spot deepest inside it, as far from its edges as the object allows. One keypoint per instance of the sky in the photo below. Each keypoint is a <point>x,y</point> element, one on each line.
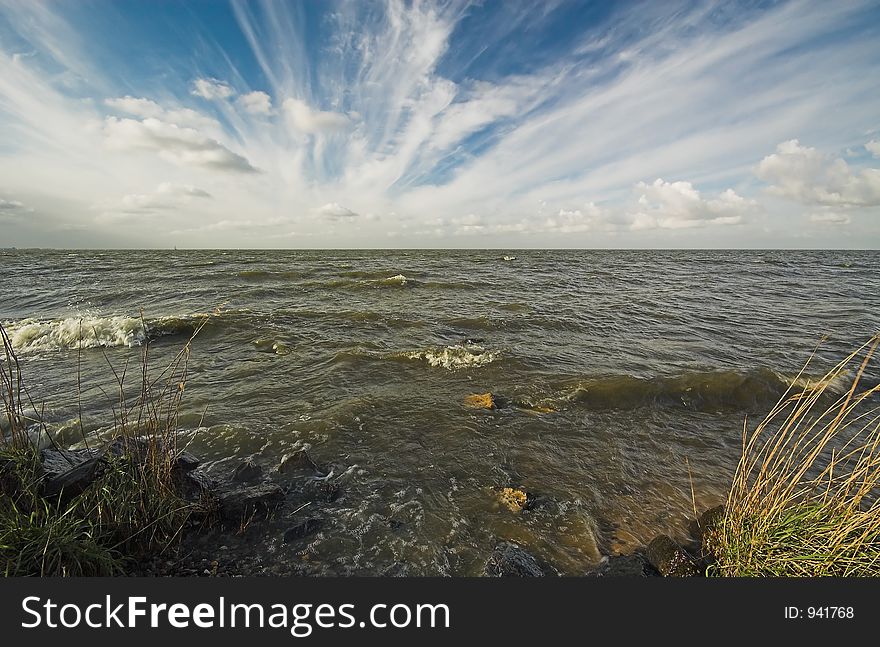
<point>392,124</point>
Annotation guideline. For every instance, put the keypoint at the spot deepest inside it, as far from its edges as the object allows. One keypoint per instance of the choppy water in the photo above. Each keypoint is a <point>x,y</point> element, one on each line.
<point>625,366</point>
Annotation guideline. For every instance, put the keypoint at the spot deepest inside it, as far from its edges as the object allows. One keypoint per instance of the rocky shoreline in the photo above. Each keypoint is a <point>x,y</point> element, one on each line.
<point>288,502</point>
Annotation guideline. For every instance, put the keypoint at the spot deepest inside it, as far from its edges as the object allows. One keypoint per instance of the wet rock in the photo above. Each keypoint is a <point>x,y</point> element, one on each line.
<point>247,471</point>
<point>320,490</point>
<point>481,401</point>
<point>70,472</point>
<point>708,520</point>
<point>670,559</point>
<point>510,560</point>
<point>634,565</point>
<point>302,529</point>
<point>513,499</point>
<point>299,463</point>
<point>250,502</point>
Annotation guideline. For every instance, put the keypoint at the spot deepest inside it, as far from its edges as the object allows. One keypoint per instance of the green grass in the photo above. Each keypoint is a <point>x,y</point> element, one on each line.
<point>132,510</point>
<point>804,498</point>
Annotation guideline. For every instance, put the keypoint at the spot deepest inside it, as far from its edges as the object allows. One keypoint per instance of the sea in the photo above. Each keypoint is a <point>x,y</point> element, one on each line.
<point>624,381</point>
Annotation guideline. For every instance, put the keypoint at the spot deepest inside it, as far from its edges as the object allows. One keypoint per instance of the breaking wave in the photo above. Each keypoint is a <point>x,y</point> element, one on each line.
<point>454,357</point>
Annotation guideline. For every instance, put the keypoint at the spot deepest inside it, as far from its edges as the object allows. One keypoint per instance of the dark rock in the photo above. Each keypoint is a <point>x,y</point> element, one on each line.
<point>510,560</point>
<point>634,565</point>
<point>670,559</point>
<point>186,462</point>
<point>709,519</point>
<point>320,490</point>
<point>74,480</point>
<point>247,471</point>
<point>303,529</point>
<point>194,486</point>
<point>299,463</point>
<point>250,502</point>
<point>58,461</point>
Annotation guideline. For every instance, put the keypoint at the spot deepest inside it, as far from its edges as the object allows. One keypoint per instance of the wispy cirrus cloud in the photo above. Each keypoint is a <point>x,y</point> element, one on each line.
<point>545,124</point>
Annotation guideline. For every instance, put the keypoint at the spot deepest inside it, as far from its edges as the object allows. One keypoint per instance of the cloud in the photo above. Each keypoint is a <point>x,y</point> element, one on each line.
<point>166,196</point>
<point>335,211</point>
<point>256,103</point>
<point>677,205</point>
<point>146,108</point>
<point>310,121</point>
<point>211,89</point>
<point>184,146</point>
<point>873,147</point>
<point>830,218</point>
<point>807,176</point>
<point>12,210</point>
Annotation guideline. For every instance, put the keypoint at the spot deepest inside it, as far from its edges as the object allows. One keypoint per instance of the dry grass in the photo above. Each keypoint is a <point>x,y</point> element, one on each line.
<point>804,496</point>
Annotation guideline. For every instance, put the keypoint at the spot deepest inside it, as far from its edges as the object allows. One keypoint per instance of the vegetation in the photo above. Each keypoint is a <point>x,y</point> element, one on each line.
<point>132,507</point>
<point>804,496</point>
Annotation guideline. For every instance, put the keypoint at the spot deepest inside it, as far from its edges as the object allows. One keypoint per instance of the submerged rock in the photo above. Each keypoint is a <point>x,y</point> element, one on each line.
<point>634,565</point>
<point>670,559</point>
<point>510,560</point>
<point>250,502</point>
<point>303,529</point>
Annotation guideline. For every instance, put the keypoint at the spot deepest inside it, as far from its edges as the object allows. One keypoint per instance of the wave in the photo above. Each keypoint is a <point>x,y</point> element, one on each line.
<point>266,275</point>
<point>703,391</point>
<point>91,331</point>
<point>453,357</point>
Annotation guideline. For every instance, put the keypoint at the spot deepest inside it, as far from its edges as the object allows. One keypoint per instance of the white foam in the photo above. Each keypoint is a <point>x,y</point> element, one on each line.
<point>455,357</point>
<point>76,332</point>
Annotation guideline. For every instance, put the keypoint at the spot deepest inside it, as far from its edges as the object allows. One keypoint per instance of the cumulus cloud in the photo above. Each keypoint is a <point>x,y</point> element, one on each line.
<point>873,147</point>
<point>256,103</point>
<point>830,218</point>
<point>308,120</point>
<point>212,89</point>
<point>804,174</point>
<point>185,146</point>
<point>146,108</point>
<point>676,205</point>
<point>336,211</point>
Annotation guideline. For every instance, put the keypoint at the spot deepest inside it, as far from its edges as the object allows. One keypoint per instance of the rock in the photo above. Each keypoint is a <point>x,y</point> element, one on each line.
<point>194,486</point>
<point>670,559</point>
<point>299,463</point>
<point>481,401</point>
<point>250,502</point>
<point>709,519</point>
<point>320,490</point>
<point>510,560</point>
<point>513,499</point>
<point>302,529</point>
<point>70,472</point>
<point>186,462</point>
<point>247,471</point>
<point>634,565</point>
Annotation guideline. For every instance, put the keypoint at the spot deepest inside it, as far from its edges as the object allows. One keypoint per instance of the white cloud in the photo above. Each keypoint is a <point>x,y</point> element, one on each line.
<point>336,211</point>
<point>146,108</point>
<point>309,121</point>
<point>212,89</point>
<point>676,205</point>
<point>135,106</point>
<point>185,146</point>
<point>873,147</point>
<point>804,174</point>
<point>256,103</point>
<point>166,196</point>
<point>830,218</point>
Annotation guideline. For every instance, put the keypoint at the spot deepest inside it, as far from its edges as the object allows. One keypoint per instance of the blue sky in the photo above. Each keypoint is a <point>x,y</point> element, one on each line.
<point>439,124</point>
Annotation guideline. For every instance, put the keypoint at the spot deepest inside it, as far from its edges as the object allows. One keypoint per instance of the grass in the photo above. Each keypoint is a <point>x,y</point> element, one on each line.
<point>804,498</point>
<point>132,509</point>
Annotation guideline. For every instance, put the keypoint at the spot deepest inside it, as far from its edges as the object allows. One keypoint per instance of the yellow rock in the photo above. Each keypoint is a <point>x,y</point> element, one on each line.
<point>515,500</point>
<point>480,401</point>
